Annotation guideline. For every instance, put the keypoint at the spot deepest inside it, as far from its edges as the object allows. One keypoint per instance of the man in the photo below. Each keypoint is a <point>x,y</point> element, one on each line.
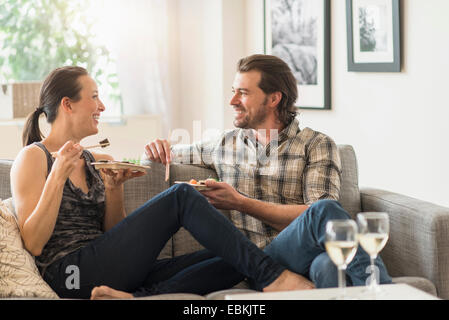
<point>280,183</point>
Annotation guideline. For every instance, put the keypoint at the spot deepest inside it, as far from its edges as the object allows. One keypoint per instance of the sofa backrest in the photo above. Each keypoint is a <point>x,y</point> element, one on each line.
<point>182,242</point>
<point>137,191</point>
<point>5,185</point>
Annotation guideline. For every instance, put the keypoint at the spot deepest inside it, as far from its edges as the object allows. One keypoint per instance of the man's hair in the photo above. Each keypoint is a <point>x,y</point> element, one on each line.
<point>275,76</point>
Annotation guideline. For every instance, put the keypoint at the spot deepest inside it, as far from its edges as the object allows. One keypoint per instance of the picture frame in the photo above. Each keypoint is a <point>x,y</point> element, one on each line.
<point>298,32</point>
<point>373,35</point>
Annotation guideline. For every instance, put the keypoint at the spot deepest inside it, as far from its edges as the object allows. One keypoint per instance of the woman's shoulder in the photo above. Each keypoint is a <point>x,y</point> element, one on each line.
<point>31,152</point>
<point>30,157</point>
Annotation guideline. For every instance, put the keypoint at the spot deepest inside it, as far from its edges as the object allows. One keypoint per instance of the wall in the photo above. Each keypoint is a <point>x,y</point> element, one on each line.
<point>127,139</point>
<point>397,122</point>
<point>200,72</point>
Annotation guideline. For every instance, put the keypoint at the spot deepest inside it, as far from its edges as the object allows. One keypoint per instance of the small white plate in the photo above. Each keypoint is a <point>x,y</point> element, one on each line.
<point>117,165</point>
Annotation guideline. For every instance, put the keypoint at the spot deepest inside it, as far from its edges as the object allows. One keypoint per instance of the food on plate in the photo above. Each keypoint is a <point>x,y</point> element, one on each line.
<point>201,182</point>
<point>135,161</point>
<point>197,184</point>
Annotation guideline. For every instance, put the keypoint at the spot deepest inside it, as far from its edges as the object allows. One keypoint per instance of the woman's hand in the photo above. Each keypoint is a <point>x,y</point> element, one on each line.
<point>66,160</point>
<point>115,178</point>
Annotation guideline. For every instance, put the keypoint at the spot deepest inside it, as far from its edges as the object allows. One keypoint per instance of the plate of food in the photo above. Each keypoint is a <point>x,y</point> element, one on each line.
<point>117,165</point>
<point>198,185</point>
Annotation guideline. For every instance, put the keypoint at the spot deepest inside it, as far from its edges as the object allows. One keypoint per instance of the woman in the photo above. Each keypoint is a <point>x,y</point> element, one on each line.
<point>72,215</point>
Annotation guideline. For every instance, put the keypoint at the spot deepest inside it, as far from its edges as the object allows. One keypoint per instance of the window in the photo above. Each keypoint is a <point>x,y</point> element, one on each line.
<point>37,36</point>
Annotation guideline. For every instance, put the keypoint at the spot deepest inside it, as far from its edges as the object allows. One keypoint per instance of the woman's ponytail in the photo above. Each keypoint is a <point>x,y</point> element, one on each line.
<point>61,82</point>
<point>31,132</point>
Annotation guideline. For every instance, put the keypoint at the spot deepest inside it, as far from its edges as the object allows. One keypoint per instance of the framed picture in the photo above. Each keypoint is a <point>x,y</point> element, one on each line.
<point>298,32</point>
<point>373,33</point>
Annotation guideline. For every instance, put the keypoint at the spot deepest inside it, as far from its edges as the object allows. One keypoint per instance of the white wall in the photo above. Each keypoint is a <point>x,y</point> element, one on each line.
<point>127,139</point>
<point>200,53</point>
<point>398,123</point>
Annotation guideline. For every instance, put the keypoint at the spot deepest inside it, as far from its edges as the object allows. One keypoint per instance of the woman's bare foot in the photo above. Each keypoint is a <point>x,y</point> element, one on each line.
<point>104,292</point>
<point>289,281</point>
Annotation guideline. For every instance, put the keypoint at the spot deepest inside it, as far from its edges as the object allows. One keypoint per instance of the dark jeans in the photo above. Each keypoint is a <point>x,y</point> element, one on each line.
<point>300,247</point>
<point>125,257</point>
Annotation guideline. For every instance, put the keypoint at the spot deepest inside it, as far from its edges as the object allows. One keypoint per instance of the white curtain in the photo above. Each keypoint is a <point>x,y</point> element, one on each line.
<point>142,43</point>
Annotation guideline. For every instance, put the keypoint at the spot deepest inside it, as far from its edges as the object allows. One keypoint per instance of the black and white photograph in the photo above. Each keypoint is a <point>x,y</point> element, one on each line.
<point>373,28</point>
<point>373,35</point>
<point>297,31</point>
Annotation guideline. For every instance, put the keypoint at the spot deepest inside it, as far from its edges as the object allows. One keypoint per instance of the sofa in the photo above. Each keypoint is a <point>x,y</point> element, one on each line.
<point>417,252</point>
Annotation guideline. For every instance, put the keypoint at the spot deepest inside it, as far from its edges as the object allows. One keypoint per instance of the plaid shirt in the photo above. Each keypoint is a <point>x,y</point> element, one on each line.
<point>296,167</point>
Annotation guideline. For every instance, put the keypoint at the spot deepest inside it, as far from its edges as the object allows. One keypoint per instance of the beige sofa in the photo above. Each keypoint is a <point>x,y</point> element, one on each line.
<point>417,252</point>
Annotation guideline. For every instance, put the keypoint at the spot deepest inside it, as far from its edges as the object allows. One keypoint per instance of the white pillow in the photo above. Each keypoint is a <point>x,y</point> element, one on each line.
<point>19,276</point>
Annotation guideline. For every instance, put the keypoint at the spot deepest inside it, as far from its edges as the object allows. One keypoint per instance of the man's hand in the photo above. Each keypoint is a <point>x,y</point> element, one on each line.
<point>158,151</point>
<point>222,196</point>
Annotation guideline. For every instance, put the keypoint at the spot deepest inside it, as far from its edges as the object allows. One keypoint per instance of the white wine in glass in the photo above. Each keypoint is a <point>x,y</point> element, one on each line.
<point>373,243</point>
<point>341,252</point>
<point>341,246</point>
<point>373,236</point>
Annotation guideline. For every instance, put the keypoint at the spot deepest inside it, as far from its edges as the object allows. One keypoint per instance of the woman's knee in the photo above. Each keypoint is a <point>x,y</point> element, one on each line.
<point>184,188</point>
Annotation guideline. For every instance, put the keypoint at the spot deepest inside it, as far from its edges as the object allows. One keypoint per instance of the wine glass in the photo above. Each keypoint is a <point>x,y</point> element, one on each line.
<point>341,246</point>
<point>373,235</point>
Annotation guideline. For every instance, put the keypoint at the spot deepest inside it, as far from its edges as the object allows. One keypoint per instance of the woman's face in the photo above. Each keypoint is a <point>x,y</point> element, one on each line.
<point>87,110</point>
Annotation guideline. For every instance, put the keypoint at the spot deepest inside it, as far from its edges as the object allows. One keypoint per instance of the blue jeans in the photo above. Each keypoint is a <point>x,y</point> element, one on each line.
<point>300,248</point>
<point>125,257</point>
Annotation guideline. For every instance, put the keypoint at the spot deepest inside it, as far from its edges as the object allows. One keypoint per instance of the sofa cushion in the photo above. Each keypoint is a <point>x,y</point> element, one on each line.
<point>5,185</point>
<point>139,190</point>
<point>221,295</point>
<point>183,242</point>
<point>173,296</point>
<point>419,283</point>
<point>349,191</point>
<point>19,276</point>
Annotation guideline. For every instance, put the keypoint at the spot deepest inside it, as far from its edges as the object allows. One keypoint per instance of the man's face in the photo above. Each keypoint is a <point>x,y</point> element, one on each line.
<point>249,101</point>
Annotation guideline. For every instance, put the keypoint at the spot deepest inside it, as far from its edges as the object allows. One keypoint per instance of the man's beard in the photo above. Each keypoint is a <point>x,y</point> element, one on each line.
<point>259,117</point>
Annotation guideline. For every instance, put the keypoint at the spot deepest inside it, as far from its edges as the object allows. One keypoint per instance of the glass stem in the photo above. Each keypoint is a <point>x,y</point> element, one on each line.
<point>373,282</point>
<point>342,280</point>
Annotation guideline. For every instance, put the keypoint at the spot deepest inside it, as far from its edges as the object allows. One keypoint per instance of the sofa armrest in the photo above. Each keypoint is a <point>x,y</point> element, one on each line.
<point>419,236</point>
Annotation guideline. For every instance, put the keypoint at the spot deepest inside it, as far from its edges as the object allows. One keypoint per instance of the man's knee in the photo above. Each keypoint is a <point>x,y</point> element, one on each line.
<point>326,204</point>
<point>316,215</point>
<point>331,209</point>
<point>323,272</point>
